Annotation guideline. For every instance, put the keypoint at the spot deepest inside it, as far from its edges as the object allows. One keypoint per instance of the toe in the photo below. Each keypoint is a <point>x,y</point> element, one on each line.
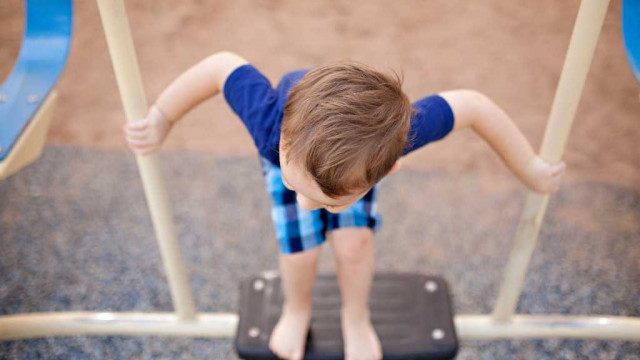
<point>297,355</point>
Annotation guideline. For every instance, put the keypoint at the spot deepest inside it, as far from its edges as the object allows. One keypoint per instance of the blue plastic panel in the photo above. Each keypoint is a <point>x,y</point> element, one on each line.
<point>631,34</point>
<point>42,57</point>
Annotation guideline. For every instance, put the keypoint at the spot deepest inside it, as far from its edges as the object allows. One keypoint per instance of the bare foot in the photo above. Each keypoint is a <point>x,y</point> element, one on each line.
<point>290,334</point>
<point>360,339</point>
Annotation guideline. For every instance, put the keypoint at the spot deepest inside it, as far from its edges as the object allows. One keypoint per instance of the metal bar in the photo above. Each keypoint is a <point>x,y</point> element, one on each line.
<point>37,325</point>
<point>574,74</point>
<point>125,64</point>
<point>224,325</point>
<point>483,327</point>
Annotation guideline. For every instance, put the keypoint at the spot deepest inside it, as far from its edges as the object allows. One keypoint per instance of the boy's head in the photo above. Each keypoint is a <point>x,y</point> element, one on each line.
<point>344,128</point>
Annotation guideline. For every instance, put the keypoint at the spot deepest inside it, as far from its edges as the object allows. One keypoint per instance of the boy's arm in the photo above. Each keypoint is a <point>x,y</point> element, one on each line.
<point>474,110</point>
<point>200,82</point>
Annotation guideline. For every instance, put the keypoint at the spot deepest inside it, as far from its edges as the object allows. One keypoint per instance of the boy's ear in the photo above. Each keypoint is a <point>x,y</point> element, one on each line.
<point>395,167</point>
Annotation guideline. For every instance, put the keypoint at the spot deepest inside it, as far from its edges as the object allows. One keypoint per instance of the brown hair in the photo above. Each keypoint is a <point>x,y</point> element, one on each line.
<point>347,124</point>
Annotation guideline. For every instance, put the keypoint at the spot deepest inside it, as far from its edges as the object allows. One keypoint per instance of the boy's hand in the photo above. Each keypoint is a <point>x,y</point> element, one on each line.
<point>542,177</point>
<point>146,135</point>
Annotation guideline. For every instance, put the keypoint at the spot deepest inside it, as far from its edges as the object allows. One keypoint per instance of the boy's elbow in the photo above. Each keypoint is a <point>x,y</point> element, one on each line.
<point>225,54</point>
<point>221,65</point>
<point>486,116</point>
<point>226,57</point>
<point>479,102</point>
<point>469,107</point>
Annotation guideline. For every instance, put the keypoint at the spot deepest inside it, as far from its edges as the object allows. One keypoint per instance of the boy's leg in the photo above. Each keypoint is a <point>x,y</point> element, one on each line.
<point>298,273</point>
<point>353,251</point>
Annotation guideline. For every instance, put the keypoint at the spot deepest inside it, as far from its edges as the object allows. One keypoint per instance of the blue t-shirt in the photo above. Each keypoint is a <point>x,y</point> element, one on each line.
<point>260,107</point>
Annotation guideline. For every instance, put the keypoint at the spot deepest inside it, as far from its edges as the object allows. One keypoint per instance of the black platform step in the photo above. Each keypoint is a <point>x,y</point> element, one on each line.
<point>411,313</point>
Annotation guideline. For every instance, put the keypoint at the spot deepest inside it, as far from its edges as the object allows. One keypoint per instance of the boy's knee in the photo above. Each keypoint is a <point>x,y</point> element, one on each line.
<point>352,244</point>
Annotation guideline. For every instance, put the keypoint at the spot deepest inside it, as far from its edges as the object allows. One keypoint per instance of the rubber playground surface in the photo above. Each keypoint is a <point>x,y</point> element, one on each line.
<point>81,239</point>
<point>75,230</point>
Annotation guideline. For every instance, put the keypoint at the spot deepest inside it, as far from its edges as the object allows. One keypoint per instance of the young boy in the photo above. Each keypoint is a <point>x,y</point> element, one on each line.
<point>326,137</point>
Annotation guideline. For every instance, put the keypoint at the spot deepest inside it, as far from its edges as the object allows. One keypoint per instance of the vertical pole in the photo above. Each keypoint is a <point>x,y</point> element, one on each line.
<point>125,64</point>
<point>574,74</point>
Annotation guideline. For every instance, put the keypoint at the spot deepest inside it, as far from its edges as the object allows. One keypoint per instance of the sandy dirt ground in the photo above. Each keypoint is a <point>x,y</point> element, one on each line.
<point>511,50</point>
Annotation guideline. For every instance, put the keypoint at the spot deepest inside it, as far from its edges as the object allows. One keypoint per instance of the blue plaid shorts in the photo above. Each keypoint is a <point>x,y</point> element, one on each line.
<point>300,230</point>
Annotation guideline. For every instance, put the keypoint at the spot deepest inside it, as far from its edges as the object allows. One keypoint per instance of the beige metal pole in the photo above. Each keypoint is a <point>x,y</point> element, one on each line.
<point>210,325</point>
<point>482,327</point>
<point>125,64</point>
<point>574,73</point>
<point>74,323</point>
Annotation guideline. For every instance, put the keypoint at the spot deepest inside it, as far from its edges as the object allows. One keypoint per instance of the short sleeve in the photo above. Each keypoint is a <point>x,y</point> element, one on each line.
<point>432,121</point>
<point>252,97</point>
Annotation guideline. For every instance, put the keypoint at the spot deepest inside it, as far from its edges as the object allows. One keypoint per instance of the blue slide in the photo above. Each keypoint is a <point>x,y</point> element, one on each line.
<point>631,33</point>
<point>43,54</point>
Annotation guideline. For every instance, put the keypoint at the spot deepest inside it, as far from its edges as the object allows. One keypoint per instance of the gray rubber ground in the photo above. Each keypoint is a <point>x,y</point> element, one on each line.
<point>75,235</point>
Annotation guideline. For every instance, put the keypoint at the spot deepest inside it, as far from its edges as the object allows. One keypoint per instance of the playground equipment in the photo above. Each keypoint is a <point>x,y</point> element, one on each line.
<point>27,97</point>
<point>631,34</point>
<point>185,321</point>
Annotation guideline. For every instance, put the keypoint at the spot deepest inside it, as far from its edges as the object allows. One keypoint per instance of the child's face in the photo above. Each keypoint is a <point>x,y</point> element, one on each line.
<point>308,193</point>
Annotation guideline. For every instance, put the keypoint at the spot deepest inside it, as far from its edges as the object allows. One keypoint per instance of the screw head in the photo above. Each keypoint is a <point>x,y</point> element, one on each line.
<point>33,98</point>
<point>254,332</point>
<point>258,285</point>
<point>431,286</point>
<point>437,334</point>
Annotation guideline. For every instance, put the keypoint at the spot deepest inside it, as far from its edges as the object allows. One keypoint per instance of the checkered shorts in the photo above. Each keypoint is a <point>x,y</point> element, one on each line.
<point>300,230</point>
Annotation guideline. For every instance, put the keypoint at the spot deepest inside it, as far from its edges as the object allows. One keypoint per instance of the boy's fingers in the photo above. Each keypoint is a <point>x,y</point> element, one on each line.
<point>135,135</point>
<point>130,127</point>
<point>128,130</point>
<point>148,150</point>
<point>556,172</point>
<point>136,146</point>
<point>558,176</point>
<point>139,142</point>
<point>136,125</point>
<point>558,168</point>
<point>142,145</point>
<point>141,150</point>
